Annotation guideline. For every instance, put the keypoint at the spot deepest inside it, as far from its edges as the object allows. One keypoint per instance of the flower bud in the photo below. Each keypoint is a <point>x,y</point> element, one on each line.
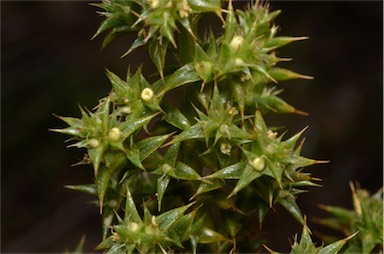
<point>114,134</point>
<point>236,42</point>
<point>126,110</point>
<point>132,226</point>
<point>154,3</point>
<point>167,168</point>
<point>147,94</point>
<point>271,134</point>
<point>224,128</point>
<point>94,143</point>
<point>239,62</point>
<point>204,69</point>
<point>258,163</point>
<point>225,148</point>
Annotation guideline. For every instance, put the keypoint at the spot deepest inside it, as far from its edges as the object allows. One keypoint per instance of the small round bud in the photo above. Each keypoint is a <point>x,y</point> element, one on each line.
<point>125,100</point>
<point>114,134</point>
<point>204,69</point>
<point>271,134</point>
<point>244,77</point>
<point>167,168</point>
<point>132,226</point>
<point>233,111</point>
<point>239,62</point>
<point>184,9</point>
<point>236,42</point>
<point>225,148</point>
<point>126,110</point>
<point>147,94</point>
<point>154,3</point>
<point>224,128</point>
<point>153,221</point>
<point>258,163</point>
<point>94,143</point>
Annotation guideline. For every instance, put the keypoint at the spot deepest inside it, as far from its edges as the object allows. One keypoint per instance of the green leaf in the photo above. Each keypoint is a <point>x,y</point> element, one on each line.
<point>231,25</point>
<point>131,213</point>
<point>96,155</point>
<point>171,154</point>
<point>186,47</point>
<point>102,182</point>
<point>213,184</point>
<point>280,74</point>
<point>165,220</point>
<point>149,145</point>
<point>184,172</point>
<point>234,171</point>
<point>203,234</point>
<point>162,184</point>
<point>335,247</point>
<point>289,203</point>
<point>86,188</point>
<point>140,41</point>
<point>205,5</point>
<point>133,155</point>
<point>184,75</point>
<point>277,42</point>
<point>157,52</point>
<point>177,119</point>
<point>181,228</point>
<point>247,177</point>
<point>128,127</point>
<point>192,133</point>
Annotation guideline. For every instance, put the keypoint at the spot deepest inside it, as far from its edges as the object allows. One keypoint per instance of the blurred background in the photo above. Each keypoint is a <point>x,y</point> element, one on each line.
<point>49,65</point>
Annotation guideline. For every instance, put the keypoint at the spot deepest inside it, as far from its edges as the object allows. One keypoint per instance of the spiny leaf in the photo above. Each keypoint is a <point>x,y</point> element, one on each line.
<point>147,146</point>
<point>335,247</point>
<point>157,52</point>
<point>234,171</point>
<point>162,184</point>
<point>289,203</point>
<point>184,172</point>
<point>247,177</point>
<point>86,188</point>
<point>131,213</point>
<point>165,220</point>
<point>280,74</point>
<point>277,42</point>
<point>184,75</point>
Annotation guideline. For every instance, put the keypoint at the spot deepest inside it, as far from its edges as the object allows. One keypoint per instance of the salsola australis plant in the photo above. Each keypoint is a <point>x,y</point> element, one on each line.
<point>365,218</point>
<point>186,162</point>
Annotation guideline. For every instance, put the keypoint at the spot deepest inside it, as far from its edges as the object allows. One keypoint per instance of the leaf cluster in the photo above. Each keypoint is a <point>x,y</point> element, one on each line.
<point>183,163</point>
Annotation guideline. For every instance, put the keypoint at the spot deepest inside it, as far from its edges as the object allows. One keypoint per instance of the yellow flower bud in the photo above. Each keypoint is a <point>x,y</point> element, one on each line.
<point>94,143</point>
<point>258,163</point>
<point>225,148</point>
<point>114,134</point>
<point>147,94</point>
<point>236,42</point>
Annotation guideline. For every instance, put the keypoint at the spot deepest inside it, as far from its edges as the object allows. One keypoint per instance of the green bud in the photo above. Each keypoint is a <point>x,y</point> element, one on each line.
<point>132,226</point>
<point>147,94</point>
<point>126,110</point>
<point>204,69</point>
<point>258,163</point>
<point>94,143</point>
<point>114,134</point>
<point>225,148</point>
<point>224,128</point>
<point>236,42</point>
<point>167,168</point>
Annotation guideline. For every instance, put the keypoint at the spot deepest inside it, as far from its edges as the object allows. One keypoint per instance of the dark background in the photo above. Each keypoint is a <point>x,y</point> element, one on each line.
<point>48,65</point>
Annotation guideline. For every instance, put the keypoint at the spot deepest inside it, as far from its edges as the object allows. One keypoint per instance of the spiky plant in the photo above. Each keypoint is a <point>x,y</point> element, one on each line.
<point>366,218</point>
<point>182,163</point>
